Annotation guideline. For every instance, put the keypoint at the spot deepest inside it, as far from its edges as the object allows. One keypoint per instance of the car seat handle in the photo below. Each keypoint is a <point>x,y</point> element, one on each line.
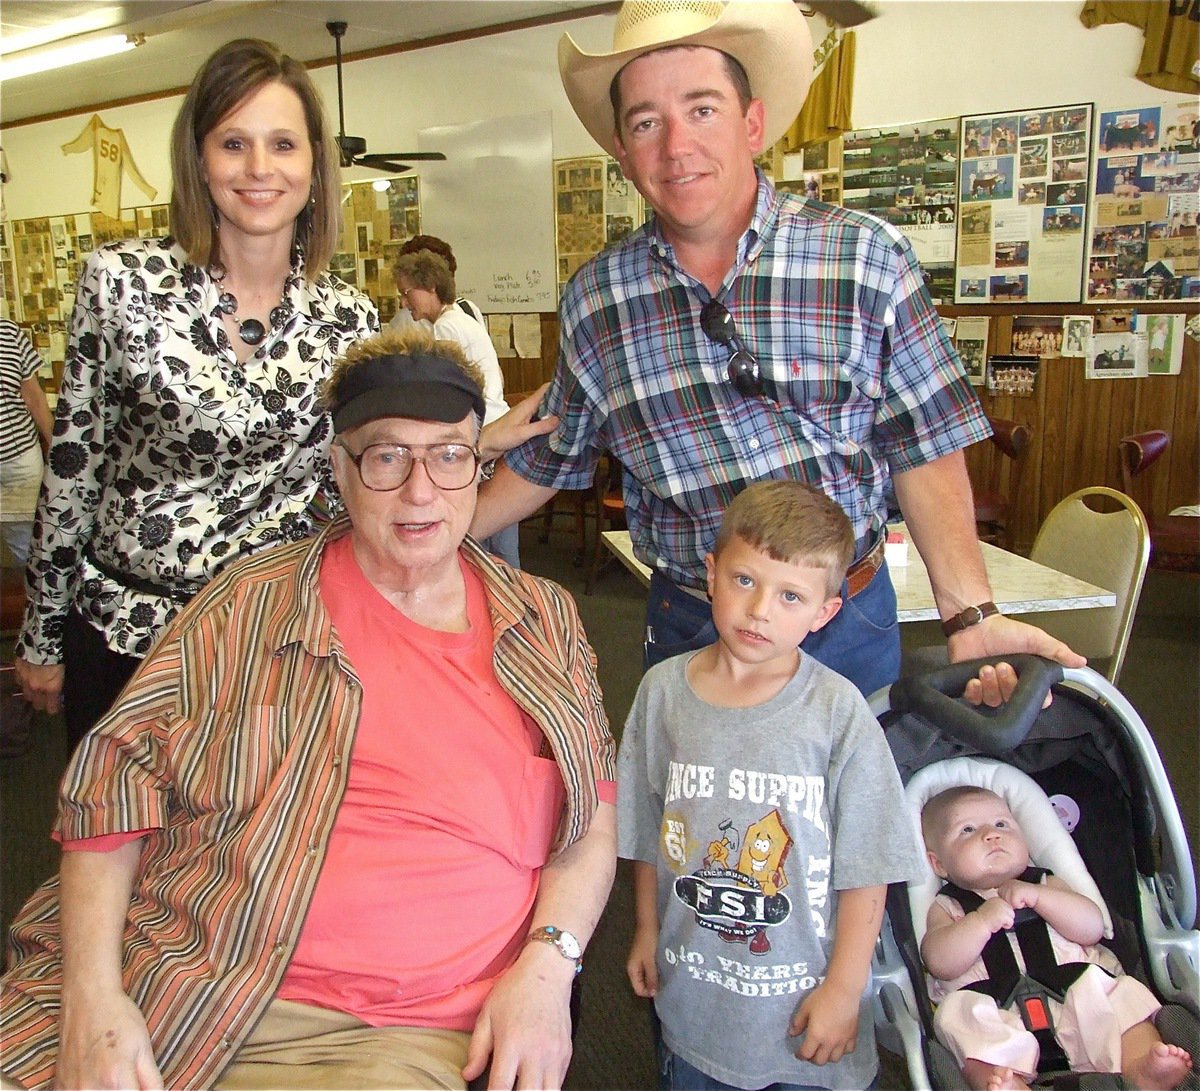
<point>937,696</point>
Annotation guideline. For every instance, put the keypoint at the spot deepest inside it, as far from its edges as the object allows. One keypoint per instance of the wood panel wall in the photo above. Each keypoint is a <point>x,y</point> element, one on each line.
<point>1076,422</point>
<point>522,376</point>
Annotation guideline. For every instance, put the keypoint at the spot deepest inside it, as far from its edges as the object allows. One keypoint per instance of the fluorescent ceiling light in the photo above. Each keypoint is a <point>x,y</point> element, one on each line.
<point>97,19</point>
<point>44,60</point>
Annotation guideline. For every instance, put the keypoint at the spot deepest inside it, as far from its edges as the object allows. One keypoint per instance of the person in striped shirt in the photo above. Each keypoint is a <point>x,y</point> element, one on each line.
<point>352,822</point>
<point>25,424</point>
<point>744,334</point>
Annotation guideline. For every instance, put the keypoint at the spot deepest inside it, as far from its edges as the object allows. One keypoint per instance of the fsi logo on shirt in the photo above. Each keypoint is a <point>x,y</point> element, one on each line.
<point>737,892</point>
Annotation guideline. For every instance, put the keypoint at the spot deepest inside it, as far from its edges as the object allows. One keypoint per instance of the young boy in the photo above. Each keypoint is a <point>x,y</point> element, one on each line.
<point>764,814</point>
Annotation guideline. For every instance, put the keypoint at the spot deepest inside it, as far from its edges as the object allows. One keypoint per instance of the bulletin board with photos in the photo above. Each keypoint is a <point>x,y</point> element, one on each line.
<point>595,206</point>
<point>1143,242</point>
<point>41,258</point>
<point>907,174</point>
<point>1024,189</point>
<point>821,173</point>
<point>376,221</point>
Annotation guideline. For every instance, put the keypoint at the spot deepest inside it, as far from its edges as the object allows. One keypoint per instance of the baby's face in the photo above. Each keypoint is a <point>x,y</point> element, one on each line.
<point>979,845</point>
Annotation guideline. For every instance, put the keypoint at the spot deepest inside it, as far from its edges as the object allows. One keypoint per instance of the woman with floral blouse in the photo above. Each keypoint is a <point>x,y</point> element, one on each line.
<point>188,431</point>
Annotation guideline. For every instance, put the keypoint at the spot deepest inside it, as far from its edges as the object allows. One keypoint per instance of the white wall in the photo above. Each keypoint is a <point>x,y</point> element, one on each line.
<point>923,59</point>
<point>918,60</point>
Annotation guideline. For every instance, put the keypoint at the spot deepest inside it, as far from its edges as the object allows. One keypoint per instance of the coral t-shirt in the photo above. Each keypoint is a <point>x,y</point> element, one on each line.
<point>432,868</point>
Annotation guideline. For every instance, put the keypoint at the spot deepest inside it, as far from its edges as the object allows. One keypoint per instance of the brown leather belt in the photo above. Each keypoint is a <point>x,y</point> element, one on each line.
<point>860,574</point>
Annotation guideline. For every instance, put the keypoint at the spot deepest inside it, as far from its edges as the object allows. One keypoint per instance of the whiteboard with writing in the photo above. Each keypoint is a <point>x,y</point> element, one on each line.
<point>492,201</point>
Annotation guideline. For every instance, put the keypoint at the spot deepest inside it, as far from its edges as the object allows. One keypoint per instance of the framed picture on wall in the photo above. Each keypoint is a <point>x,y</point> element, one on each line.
<point>1024,183</point>
<point>1143,241</point>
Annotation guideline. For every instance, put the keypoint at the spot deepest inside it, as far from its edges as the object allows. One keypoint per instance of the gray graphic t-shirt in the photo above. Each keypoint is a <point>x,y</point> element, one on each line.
<point>755,818</point>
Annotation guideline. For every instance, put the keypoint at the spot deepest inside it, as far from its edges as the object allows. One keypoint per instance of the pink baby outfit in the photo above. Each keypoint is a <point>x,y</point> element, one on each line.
<point>1097,1009</point>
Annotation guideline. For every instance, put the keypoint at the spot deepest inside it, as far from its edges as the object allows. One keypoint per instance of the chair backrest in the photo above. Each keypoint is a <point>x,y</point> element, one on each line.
<point>999,492</point>
<point>1012,438</point>
<point>1109,549</point>
<point>1138,453</point>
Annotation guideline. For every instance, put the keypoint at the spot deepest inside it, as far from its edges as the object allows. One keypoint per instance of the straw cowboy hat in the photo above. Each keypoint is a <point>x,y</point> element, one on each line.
<point>769,38</point>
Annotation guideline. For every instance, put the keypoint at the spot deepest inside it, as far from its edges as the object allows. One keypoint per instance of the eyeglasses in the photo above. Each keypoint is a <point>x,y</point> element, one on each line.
<point>743,369</point>
<point>384,467</point>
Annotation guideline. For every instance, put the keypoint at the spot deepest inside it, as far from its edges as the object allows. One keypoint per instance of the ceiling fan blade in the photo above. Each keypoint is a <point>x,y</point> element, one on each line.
<point>379,157</point>
<point>379,162</point>
<point>846,13</point>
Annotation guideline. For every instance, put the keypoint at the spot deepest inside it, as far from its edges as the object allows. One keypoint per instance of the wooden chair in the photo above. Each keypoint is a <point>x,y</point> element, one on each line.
<point>1110,549</point>
<point>610,509</point>
<point>1174,539</point>
<point>573,503</point>
<point>997,496</point>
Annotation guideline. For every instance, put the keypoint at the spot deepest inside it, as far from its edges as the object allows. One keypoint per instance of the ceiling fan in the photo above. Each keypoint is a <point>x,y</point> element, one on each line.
<point>354,148</point>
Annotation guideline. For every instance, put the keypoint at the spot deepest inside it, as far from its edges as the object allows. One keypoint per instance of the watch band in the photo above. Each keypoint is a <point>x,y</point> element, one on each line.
<point>972,615</point>
<point>487,470</point>
<point>562,941</point>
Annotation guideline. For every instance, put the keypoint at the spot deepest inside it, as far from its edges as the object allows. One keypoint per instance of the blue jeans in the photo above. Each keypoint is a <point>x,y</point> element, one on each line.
<point>505,544</point>
<point>861,643</point>
<point>675,1074</point>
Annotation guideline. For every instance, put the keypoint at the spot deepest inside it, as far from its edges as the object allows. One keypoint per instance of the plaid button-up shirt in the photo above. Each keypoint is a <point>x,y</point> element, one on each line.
<point>861,380</point>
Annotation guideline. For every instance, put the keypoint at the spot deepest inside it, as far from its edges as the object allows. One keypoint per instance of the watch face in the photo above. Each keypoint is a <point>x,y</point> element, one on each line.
<point>569,945</point>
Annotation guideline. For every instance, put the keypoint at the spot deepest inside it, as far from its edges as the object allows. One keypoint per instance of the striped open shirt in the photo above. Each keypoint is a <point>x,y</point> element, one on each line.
<point>232,745</point>
<point>862,381</point>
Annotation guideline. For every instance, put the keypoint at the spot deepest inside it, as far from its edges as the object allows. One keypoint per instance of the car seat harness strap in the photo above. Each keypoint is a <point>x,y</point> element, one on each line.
<point>1029,991</point>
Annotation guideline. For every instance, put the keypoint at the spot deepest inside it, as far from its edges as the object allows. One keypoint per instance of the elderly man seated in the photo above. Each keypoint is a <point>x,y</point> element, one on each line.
<point>351,822</point>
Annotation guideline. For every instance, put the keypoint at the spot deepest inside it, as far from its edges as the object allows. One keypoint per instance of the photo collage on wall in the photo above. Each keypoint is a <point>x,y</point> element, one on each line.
<point>376,221</point>
<point>595,206</point>
<point>1023,185</point>
<point>971,340</point>
<point>907,175</point>
<point>1143,241</point>
<point>820,173</point>
<point>42,257</point>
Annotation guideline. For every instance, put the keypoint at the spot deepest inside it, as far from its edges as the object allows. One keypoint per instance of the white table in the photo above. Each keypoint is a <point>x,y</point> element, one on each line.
<point>1019,585</point>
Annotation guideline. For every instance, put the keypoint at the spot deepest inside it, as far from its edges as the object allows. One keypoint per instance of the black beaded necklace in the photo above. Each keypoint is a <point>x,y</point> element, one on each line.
<point>251,331</point>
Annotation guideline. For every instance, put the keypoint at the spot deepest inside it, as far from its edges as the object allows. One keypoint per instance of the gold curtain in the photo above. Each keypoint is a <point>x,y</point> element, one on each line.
<point>826,111</point>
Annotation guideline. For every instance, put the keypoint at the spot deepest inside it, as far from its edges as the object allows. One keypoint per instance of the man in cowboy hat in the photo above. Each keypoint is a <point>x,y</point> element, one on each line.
<point>744,334</point>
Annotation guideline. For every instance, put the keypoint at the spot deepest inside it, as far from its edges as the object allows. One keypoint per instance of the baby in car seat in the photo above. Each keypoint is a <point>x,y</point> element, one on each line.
<point>1015,967</point>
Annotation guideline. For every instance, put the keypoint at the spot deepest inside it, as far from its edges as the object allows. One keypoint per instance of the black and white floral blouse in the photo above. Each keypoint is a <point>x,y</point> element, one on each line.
<point>170,458</point>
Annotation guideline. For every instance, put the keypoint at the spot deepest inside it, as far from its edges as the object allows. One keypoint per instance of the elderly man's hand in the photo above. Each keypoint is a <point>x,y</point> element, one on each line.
<point>1001,635</point>
<point>104,1044</point>
<point>516,426</point>
<point>525,1025</point>
<point>41,684</point>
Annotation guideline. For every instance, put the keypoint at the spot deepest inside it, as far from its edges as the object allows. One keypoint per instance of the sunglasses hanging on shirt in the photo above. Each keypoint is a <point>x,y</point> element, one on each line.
<point>743,371</point>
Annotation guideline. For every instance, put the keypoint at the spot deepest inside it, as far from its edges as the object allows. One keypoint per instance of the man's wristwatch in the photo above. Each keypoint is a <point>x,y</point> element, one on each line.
<point>972,615</point>
<point>487,470</point>
<point>566,944</point>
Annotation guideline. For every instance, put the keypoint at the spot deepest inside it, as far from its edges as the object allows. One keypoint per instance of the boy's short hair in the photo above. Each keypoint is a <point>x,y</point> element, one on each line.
<point>794,523</point>
<point>933,814</point>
